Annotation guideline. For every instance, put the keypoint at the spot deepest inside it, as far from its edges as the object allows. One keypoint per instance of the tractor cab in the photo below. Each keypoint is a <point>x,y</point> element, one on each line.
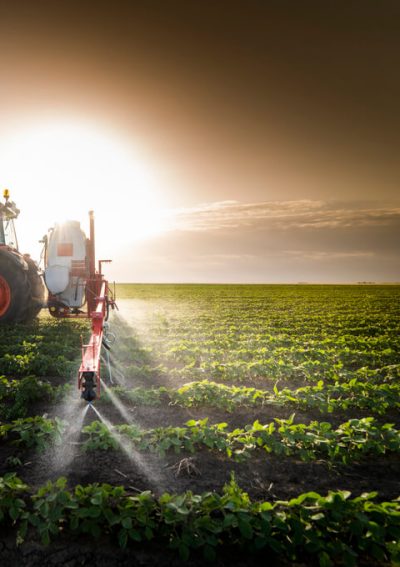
<point>8,212</point>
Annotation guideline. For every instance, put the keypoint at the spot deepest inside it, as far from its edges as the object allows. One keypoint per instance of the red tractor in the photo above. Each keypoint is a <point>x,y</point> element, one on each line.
<point>75,288</point>
<point>21,285</point>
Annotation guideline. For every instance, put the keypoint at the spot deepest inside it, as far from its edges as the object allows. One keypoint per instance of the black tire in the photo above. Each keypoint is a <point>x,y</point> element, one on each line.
<point>15,278</point>
<point>37,289</point>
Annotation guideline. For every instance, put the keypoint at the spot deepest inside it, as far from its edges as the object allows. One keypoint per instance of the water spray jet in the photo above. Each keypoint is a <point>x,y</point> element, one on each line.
<point>117,403</point>
<point>59,457</point>
<point>133,455</point>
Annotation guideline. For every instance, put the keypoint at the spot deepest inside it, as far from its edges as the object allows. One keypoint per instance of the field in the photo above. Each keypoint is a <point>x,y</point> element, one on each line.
<point>235,422</point>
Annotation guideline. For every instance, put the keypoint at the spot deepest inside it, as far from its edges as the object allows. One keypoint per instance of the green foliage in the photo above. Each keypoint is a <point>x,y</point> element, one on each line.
<point>13,461</point>
<point>11,503</point>
<point>376,398</point>
<point>218,395</point>
<point>271,333</point>
<point>328,348</point>
<point>351,441</point>
<point>46,347</point>
<point>335,529</point>
<point>16,396</point>
<point>105,508</point>
<point>47,513</point>
<point>311,347</point>
<point>99,437</point>
<point>34,432</point>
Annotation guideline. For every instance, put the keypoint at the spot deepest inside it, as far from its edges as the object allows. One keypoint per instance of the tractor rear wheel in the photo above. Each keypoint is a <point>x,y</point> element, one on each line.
<point>17,300</point>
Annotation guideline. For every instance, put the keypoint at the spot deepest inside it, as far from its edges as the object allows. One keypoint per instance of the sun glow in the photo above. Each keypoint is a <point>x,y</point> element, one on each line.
<point>59,170</point>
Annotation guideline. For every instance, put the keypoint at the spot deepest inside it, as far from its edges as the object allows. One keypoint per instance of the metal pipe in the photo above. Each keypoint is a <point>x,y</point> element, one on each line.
<point>92,249</point>
<point>2,233</point>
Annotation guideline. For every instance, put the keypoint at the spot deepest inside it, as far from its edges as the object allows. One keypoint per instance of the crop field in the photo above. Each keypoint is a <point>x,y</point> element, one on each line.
<point>236,422</point>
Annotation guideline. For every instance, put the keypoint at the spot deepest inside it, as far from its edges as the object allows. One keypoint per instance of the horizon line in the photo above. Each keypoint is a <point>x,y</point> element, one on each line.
<point>361,283</point>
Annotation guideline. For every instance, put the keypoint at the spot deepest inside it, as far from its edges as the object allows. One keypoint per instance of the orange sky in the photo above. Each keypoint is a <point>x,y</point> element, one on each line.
<point>264,136</point>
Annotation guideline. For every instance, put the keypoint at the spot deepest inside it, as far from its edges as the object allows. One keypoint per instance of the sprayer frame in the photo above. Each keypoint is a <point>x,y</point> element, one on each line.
<point>99,299</point>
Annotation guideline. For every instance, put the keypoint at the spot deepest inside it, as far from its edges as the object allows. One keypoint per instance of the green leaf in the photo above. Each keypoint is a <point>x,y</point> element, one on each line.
<point>95,531</point>
<point>123,538</point>
<point>324,559</point>
<point>184,551</point>
<point>135,535</point>
<point>209,553</point>
<point>126,523</point>
<point>45,537</point>
<point>14,513</point>
<point>93,512</point>
<point>245,528</point>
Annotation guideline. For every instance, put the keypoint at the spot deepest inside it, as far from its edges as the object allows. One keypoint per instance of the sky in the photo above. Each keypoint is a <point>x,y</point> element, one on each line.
<point>230,141</point>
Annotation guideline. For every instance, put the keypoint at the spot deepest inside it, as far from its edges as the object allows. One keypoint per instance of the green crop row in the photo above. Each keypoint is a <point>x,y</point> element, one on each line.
<point>45,347</point>
<point>334,529</point>
<point>352,440</point>
<point>229,363</point>
<point>17,396</point>
<point>243,333</point>
<point>377,398</point>
<point>34,432</point>
<point>229,333</point>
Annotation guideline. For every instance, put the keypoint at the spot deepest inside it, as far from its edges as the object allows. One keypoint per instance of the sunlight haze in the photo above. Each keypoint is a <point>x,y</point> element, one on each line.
<point>212,147</point>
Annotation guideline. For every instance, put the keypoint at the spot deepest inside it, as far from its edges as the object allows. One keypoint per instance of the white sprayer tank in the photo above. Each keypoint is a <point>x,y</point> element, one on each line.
<point>67,267</point>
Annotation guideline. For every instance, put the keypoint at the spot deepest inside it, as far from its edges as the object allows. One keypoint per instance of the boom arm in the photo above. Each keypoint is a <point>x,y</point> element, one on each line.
<point>89,371</point>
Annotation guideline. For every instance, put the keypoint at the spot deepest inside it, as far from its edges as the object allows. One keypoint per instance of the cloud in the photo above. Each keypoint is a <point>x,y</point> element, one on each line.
<point>328,255</point>
<point>282,215</point>
<point>280,241</point>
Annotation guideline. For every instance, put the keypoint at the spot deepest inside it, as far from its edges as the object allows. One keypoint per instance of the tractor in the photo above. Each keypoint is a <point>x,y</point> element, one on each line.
<point>21,285</point>
<point>75,289</point>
